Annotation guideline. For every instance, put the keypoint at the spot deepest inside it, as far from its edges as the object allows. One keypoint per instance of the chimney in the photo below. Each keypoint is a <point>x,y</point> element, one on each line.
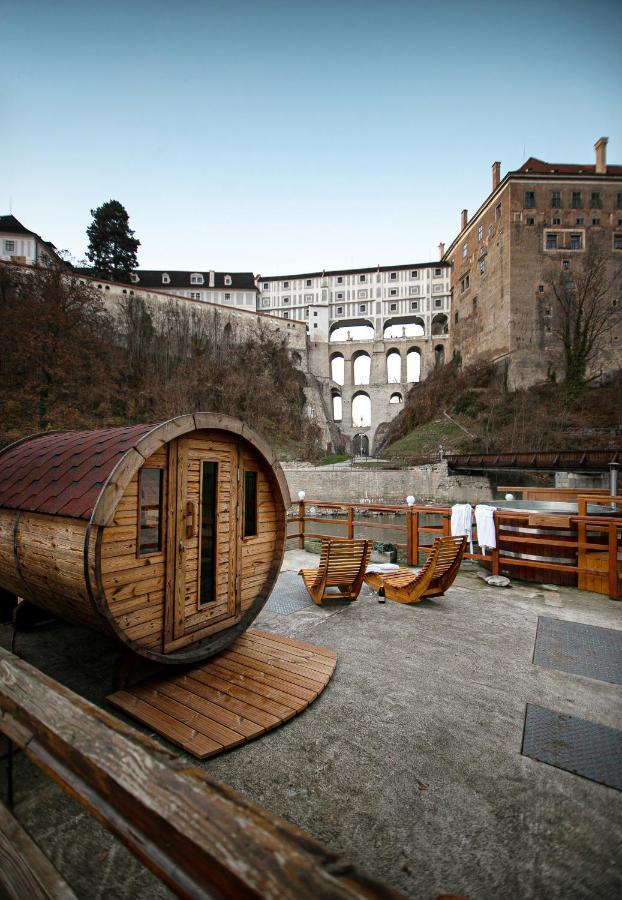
<point>464,218</point>
<point>211,278</point>
<point>496,174</point>
<point>441,250</point>
<point>601,155</point>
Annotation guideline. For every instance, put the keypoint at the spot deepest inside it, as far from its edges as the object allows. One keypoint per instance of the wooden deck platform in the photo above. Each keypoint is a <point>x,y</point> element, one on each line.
<point>256,684</point>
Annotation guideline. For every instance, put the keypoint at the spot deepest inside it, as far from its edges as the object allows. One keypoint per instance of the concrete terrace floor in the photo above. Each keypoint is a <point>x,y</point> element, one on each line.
<point>409,762</point>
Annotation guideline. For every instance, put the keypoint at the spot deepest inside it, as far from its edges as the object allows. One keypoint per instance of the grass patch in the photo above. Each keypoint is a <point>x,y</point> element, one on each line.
<point>426,438</point>
<point>331,458</point>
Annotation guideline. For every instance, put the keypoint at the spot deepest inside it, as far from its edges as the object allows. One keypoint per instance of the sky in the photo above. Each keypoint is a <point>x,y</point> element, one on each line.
<point>283,137</point>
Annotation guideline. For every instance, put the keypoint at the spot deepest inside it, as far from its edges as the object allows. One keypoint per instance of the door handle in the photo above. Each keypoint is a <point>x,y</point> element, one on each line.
<point>182,546</point>
<point>191,519</point>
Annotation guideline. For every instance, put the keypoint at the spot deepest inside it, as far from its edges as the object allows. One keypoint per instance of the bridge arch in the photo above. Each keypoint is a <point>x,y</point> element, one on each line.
<point>337,368</point>
<point>338,331</point>
<point>403,326</point>
<point>439,355</point>
<point>396,397</point>
<point>440,324</point>
<point>394,366</point>
<point>361,367</point>
<point>360,445</point>
<point>337,406</point>
<point>413,365</point>
<point>361,410</point>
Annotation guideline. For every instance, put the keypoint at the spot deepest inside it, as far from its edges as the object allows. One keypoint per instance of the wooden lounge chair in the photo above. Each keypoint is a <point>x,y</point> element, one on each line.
<point>439,572</point>
<point>342,565</point>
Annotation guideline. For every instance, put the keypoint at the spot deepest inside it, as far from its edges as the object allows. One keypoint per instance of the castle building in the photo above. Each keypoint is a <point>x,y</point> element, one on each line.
<point>379,297</point>
<point>537,221</point>
<point>224,288</point>
<point>372,332</point>
<point>20,245</point>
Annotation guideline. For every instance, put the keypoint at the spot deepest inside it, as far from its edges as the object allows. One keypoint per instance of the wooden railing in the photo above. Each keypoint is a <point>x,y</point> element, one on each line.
<point>547,537</point>
<point>197,835</point>
<point>553,460</point>
<point>562,495</point>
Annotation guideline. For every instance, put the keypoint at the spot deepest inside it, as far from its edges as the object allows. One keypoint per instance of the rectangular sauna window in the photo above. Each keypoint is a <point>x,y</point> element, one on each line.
<point>209,482</point>
<point>150,511</point>
<point>250,504</point>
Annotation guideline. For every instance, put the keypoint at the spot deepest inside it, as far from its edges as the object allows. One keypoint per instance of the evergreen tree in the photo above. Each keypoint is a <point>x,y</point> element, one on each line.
<point>112,245</point>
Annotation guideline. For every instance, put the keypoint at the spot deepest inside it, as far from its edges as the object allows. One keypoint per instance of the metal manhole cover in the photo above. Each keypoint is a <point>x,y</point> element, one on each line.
<point>584,748</point>
<point>579,649</point>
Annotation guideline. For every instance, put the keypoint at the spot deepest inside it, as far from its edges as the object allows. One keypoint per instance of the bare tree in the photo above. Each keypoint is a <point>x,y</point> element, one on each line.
<point>587,309</point>
<point>55,347</point>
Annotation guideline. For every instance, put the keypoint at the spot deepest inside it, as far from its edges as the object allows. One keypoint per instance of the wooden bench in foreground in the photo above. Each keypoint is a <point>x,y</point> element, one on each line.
<point>199,836</point>
<point>342,565</point>
<point>25,873</point>
<point>439,572</point>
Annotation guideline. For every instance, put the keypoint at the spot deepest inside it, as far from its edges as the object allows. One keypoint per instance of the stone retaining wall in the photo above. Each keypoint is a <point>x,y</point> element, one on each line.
<point>425,483</point>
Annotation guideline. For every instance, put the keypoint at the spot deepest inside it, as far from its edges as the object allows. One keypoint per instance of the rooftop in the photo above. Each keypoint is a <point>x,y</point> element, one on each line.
<point>540,167</point>
<point>409,762</point>
<point>327,273</point>
<point>10,225</point>
<point>181,279</point>
<point>63,472</point>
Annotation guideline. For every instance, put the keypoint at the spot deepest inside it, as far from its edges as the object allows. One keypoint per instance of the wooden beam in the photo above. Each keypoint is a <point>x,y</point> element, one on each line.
<point>25,872</point>
<point>199,836</point>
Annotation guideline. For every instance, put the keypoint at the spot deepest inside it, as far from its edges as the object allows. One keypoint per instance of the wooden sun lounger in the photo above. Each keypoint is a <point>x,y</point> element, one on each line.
<point>342,565</point>
<point>439,572</point>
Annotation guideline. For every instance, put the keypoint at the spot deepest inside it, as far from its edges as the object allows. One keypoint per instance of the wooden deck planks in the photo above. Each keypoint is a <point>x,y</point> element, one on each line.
<point>253,686</point>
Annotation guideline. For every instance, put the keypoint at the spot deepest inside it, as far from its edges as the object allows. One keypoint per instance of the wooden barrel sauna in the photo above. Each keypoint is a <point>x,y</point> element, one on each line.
<point>169,536</point>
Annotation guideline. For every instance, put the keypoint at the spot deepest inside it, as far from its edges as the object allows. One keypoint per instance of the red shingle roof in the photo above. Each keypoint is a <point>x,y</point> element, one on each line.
<point>540,167</point>
<point>62,473</point>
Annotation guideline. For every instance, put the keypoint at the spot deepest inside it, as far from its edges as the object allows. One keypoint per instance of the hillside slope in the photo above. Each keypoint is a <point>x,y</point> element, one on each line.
<point>469,410</point>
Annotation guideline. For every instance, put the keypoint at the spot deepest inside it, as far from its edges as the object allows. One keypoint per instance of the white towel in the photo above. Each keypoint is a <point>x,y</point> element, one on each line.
<point>387,568</point>
<point>462,521</point>
<point>484,518</point>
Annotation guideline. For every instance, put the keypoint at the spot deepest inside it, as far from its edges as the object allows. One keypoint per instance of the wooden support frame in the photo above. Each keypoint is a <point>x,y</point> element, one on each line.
<point>200,837</point>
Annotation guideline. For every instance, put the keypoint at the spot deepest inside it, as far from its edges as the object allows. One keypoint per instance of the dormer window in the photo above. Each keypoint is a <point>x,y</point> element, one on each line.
<point>134,278</point>
<point>166,278</point>
<point>196,278</point>
<point>227,280</point>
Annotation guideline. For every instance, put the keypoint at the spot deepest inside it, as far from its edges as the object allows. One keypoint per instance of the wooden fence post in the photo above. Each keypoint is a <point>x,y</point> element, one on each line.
<point>412,537</point>
<point>495,552</point>
<point>301,525</point>
<point>415,539</point>
<point>350,522</point>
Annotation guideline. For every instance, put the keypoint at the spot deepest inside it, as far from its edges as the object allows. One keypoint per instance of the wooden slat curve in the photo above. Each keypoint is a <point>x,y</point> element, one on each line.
<point>253,686</point>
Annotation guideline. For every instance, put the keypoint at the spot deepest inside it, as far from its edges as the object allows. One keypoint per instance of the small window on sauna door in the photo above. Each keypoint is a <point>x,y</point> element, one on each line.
<point>250,504</point>
<point>207,571</point>
<point>150,511</point>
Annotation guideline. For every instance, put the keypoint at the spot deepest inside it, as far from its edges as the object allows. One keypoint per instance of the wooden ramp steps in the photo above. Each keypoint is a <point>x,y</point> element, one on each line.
<point>260,681</point>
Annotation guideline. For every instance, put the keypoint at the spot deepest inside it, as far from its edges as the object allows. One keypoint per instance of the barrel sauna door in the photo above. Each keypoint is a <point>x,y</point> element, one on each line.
<point>202,577</point>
